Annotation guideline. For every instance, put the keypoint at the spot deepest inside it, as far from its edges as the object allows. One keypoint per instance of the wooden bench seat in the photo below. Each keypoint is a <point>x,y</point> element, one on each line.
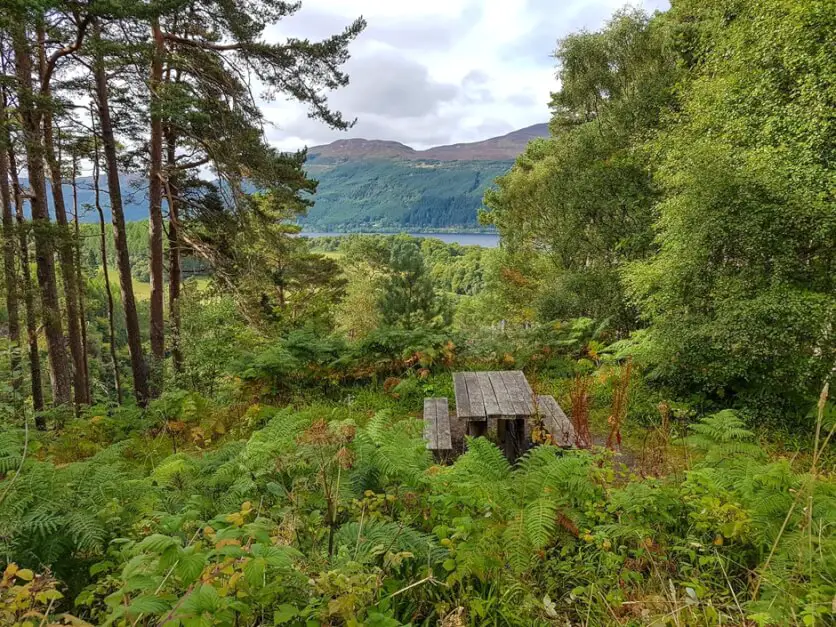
<point>556,421</point>
<point>437,427</point>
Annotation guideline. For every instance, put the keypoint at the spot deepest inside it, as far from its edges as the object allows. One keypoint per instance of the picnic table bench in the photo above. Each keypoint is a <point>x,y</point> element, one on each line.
<point>499,405</point>
<point>437,427</point>
<point>556,421</point>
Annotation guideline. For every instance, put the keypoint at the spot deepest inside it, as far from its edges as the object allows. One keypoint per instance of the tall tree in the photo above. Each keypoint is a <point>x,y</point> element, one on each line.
<point>30,113</point>
<point>741,296</point>
<point>155,203</point>
<point>9,243</point>
<point>139,368</point>
<point>28,295</point>
<point>203,114</point>
<point>64,238</point>
<point>117,381</point>
<point>585,196</point>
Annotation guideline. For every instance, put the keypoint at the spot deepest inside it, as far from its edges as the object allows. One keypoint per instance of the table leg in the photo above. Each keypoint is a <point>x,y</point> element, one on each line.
<point>477,428</point>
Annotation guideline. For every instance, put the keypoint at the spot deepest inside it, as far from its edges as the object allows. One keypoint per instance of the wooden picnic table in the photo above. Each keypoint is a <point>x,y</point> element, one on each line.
<point>496,404</point>
<point>504,395</point>
<point>499,405</point>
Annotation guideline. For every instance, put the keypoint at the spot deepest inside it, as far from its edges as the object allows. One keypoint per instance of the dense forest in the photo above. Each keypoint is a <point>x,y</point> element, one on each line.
<point>206,419</point>
<point>393,194</point>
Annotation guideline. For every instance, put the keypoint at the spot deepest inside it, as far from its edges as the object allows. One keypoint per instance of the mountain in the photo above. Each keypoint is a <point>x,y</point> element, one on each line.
<point>385,185</point>
<point>368,185</point>
<point>134,198</point>
<point>504,148</point>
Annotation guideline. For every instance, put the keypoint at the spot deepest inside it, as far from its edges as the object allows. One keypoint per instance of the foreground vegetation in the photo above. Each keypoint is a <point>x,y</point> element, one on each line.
<point>331,510</point>
<point>249,452</point>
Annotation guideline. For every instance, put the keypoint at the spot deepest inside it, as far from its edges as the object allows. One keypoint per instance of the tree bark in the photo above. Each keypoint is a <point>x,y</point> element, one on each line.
<point>68,270</point>
<point>103,247</point>
<point>175,274</point>
<point>139,369</point>
<point>82,309</point>
<point>65,243</point>
<point>9,252</point>
<point>59,366</point>
<point>28,299</point>
<point>155,197</point>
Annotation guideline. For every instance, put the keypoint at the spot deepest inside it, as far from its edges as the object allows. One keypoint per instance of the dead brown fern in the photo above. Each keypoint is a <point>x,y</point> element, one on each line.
<point>618,412</point>
<point>579,393</point>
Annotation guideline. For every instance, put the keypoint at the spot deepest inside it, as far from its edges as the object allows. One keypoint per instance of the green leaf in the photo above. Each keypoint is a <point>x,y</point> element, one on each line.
<point>284,614</point>
<point>254,572</point>
<point>157,543</point>
<point>148,604</point>
<point>190,566</point>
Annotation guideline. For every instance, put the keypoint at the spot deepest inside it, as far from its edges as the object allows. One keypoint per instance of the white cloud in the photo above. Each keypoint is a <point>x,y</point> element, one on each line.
<point>439,71</point>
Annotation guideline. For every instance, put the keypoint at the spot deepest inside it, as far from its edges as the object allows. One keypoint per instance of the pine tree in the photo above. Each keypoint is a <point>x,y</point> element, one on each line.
<point>30,111</point>
<point>9,248</point>
<point>408,297</point>
<point>64,242</point>
<point>139,369</point>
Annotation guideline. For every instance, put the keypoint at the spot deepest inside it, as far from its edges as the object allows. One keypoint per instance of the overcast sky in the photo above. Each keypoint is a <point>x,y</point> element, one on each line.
<point>432,72</point>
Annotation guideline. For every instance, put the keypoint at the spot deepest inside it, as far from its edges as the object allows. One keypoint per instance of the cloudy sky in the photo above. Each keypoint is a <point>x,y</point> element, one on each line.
<point>433,72</point>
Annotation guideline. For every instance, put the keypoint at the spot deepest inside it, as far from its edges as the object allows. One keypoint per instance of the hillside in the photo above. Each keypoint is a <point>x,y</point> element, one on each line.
<point>503,148</point>
<point>374,184</point>
<point>384,185</point>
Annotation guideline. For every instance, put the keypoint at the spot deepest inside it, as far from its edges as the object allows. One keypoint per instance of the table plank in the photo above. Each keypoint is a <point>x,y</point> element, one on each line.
<point>430,432</point>
<point>506,405</point>
<point>528,394</point>
<point>523,407</point>
<point>462,399</point>
<point>474,394</point>
<point>442,414</point>
<point>488,394</point>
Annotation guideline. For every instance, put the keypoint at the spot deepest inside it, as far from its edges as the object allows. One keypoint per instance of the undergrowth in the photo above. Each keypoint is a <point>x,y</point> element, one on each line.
<point>325,515</point>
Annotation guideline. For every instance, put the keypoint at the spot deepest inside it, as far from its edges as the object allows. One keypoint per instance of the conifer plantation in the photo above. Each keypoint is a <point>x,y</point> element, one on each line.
<point>208,419</point>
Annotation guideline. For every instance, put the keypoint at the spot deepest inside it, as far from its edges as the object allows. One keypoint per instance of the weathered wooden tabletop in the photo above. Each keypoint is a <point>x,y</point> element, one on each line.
<point>501,395</point>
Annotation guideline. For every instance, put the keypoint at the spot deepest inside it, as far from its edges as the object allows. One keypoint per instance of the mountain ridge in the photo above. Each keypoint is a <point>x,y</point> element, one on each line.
<point>380,185</point>
<point>501,148</point>
<point>371,184</point>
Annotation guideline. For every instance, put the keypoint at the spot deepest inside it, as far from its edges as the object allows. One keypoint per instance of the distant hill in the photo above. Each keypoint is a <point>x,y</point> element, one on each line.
<point>385,185</point>
<point>372,184</point>
<point>504,148</point>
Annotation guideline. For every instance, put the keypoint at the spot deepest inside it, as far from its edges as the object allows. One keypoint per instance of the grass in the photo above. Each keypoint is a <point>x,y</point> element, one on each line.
<point>142,289</point>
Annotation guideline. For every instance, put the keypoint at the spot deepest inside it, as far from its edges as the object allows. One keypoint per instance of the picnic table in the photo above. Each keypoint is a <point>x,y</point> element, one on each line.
<point>496,404</point>
<point>499,405</point>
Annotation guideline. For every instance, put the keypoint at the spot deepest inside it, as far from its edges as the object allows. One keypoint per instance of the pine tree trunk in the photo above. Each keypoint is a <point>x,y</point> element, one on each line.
<point>139,368</point>
<point>59,365</point>
<point>65,243</point>
<point>67,258</point>
<point>82,309</point>
<point>155,196</point>
<point>103,247</point>
<point>28,299</point>
<point>174,266</point>
<point>9,252</point>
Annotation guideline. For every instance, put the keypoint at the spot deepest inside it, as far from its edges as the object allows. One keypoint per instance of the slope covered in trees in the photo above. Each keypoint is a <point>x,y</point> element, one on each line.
<point>368,185</point>
<point>390,195</point>
<point>247,449</point>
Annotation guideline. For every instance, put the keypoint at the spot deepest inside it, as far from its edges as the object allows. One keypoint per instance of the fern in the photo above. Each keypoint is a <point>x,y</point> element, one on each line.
<point>388,451</point>
<point>373,540</point>
<point>11,451</point>
<point>723,436</point>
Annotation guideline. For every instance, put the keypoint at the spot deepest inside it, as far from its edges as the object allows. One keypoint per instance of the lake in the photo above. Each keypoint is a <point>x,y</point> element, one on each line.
<point>486,240</point>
